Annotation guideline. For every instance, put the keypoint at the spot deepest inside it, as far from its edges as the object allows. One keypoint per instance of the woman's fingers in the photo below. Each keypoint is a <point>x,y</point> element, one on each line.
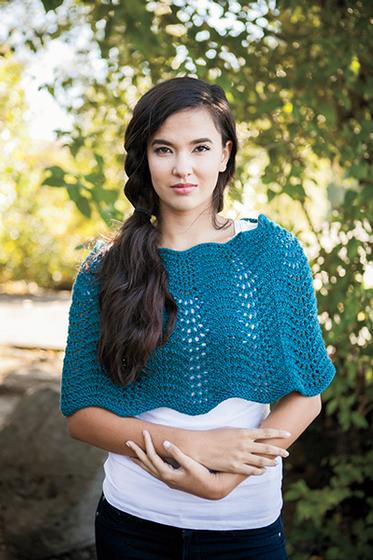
<point>143,457</point>
<point>141,464</point>
<point>258,461</point>
<point>268,449</point>
<point>166,472</point>
<point>263,433</point>
<point>164,469</point>
<point>250,470</point>
<point>188,463</point>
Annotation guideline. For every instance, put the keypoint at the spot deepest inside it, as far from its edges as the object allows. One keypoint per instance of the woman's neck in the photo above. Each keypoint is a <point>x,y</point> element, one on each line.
<point>187,236</point>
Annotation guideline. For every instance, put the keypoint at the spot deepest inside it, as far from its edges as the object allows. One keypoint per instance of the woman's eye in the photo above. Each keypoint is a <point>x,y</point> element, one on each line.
<point>160,150</point>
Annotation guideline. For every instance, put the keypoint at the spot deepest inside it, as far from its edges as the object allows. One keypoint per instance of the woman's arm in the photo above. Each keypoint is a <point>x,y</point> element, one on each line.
<point>106,430</point>
<point>294,413</point>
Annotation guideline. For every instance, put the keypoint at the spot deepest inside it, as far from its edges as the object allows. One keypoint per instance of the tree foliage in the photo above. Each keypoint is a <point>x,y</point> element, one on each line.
<point>33,229</point>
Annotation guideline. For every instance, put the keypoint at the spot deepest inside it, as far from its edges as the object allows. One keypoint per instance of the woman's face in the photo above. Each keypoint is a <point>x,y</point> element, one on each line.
<point>187,148</point>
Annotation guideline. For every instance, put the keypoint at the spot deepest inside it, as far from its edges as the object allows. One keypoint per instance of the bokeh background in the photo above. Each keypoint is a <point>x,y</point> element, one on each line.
<point>298,75</point>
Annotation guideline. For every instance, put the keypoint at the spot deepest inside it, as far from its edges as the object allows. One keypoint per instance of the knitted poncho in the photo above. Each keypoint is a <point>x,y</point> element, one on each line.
<point>247,327</point>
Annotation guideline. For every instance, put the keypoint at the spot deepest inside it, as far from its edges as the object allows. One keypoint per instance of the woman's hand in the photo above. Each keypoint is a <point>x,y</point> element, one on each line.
<point>191,476</point>
<point>234,450</point>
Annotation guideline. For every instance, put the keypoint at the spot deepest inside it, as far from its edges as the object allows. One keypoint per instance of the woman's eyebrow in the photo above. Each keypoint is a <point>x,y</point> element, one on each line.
<point>197,141</point>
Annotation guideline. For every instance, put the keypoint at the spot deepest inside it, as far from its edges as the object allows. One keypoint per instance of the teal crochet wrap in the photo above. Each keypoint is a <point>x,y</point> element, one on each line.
<point>247,327</point>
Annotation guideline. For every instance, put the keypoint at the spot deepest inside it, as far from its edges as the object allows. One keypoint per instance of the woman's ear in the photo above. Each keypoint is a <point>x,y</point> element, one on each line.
<point>225,155</point>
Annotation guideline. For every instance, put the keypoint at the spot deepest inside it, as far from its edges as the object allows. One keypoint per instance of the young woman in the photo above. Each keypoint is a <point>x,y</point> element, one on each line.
<point>183,329</point>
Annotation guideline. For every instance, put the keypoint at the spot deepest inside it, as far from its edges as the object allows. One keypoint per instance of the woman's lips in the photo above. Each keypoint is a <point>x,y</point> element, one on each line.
<point>184,189</point>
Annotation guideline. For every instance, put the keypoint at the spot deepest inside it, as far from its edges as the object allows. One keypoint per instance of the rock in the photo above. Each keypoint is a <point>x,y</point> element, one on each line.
<point>50,483</point>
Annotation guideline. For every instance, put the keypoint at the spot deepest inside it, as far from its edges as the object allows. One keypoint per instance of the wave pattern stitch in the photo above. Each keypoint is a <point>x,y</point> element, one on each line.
<point>247,327</point>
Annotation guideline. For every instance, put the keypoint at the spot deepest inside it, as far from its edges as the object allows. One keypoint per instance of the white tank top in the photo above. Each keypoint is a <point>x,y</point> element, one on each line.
<point>255,502</point>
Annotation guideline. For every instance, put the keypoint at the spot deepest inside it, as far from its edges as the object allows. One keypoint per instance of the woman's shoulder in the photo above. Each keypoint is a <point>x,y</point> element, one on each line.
<point>92,261</point>
<point>244,224</point>
<point>280,233</point>
<point>264,224</point>
<point>278,239</point>
<point>86,283</point>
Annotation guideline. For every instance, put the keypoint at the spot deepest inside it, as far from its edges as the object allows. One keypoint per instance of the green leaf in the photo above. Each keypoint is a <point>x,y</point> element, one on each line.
<point>81,202</point>
<point>76,145</point>
<point>328,110</point>
<point>358,420</point>
<point>99,159</point>
<point>271,194</point>
<point>296,192</point>
<point>94,178</point>
<point>84,206</point>
<point>109,195</point>
<point>51,4</point>
<point>56,177</point>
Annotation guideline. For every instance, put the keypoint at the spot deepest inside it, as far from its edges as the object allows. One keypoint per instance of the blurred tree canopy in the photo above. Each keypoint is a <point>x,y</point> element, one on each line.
<point>298,75</point>
<point>33,229</point>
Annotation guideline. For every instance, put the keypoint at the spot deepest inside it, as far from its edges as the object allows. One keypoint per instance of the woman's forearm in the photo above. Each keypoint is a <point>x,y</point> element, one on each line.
<point>104,429</point>
<point>293,413</point>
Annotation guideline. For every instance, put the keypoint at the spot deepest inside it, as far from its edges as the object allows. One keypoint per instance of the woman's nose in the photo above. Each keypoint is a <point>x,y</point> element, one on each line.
<point>182,167</point>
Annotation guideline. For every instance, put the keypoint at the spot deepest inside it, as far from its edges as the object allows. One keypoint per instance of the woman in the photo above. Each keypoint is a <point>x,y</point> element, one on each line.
<point>183,330</point>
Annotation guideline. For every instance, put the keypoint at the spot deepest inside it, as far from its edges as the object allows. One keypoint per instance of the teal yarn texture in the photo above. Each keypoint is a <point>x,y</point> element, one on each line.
<point>247,327</point>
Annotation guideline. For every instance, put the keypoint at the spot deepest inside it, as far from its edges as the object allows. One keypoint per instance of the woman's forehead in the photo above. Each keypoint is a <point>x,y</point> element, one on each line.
<point>188,125</point>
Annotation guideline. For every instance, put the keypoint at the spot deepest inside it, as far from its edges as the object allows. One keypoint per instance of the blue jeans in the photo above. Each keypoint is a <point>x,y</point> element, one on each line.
<point>122,536</point>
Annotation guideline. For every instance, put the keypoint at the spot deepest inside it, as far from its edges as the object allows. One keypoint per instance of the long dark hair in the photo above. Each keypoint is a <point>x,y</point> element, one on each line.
<point>133,281</point>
